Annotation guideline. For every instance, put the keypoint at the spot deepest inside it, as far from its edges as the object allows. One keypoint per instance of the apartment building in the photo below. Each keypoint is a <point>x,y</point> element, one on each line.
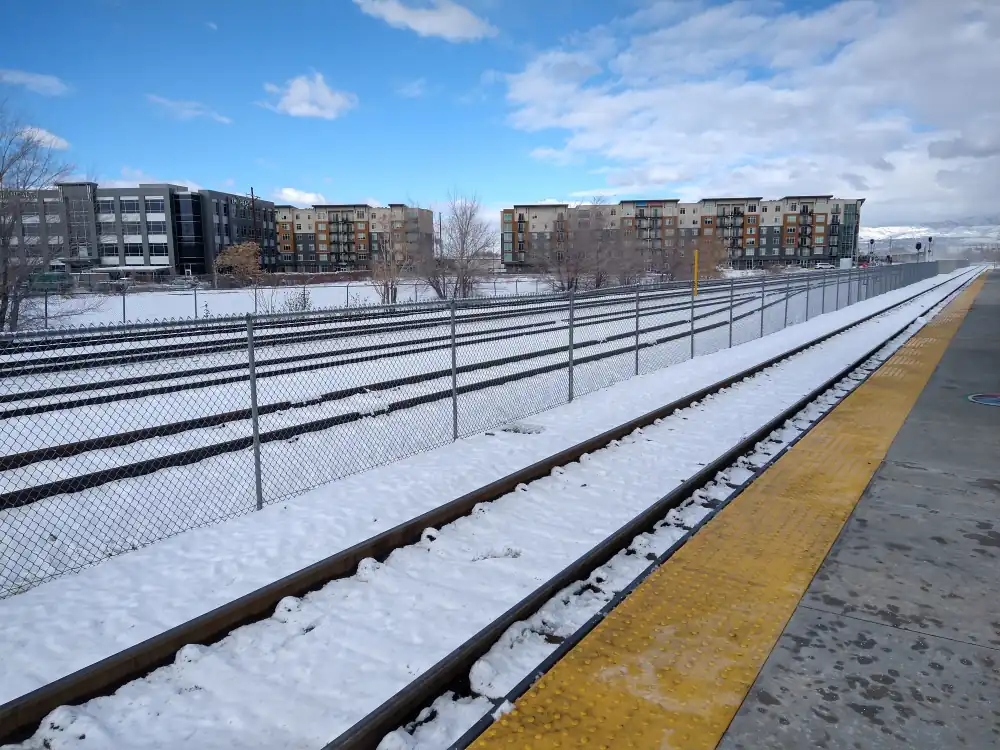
<point>152,228</point>
<point>350,236</point>
<point>801,230</point>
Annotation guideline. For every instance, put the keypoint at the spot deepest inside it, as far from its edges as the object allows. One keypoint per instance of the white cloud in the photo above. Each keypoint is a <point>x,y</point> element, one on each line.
<point>186,110</point>
<point>296,197</point>
<point>131,177</point>
<point>890,100</point>
<point>47,139</point>
<point>212,25</point>
<point>40,83</point>
<point>309,96</point>
<point>414,89</point>
<point>440,18</point>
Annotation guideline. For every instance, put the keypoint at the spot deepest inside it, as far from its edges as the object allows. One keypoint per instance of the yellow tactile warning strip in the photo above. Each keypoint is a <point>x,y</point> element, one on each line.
<point>670,666</point>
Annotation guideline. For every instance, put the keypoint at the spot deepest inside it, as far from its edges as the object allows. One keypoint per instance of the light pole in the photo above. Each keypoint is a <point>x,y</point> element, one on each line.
<point>871,249</point>
<point>929,241</point>
<point>919,246</point>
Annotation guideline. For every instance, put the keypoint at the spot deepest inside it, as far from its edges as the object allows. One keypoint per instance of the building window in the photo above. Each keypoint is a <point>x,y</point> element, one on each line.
<point>763,209</point>
<point>708,220</point>
<point>133,250</point>
<point>298,227</point>
<point>683,211</point>
<point>105,205</point>
<point>793,207</point>
<point>158,250</point>
<point>156,227</point>
<point>154,206</point>
<point>106,227</point>
<point>752,208</point>
<point>130,227</point>
<point>109,250</point>
<point>130,206</point>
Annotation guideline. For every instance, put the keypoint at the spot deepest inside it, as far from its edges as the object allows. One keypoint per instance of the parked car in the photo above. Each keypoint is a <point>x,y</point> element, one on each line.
<point>824,266</point>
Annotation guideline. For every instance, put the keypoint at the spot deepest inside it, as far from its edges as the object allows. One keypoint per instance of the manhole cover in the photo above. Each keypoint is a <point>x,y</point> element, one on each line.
<point>986,399</point>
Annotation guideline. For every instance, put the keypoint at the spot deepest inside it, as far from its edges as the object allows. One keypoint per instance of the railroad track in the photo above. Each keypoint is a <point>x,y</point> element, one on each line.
<point>368,343</point>
<point>439,388</point>
<point>22,717</point>
<point>50,340</point>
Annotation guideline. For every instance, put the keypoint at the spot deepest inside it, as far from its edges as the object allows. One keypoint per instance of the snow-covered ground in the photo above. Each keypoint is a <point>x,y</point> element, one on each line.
<point>64,532</point>
<point>68,623</point>
<point>184,303</point>
<point>525,645</point>
<point>301,677</point>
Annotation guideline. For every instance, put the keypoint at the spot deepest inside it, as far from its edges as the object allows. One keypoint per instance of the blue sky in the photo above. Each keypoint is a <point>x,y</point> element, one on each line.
<point>516,100</point>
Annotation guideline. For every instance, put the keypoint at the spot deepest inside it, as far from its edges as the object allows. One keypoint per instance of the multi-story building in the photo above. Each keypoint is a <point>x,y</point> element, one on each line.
<point>348,236</point>
<point>800,230</point>
<point>153,228</point>
<point>236,219</point>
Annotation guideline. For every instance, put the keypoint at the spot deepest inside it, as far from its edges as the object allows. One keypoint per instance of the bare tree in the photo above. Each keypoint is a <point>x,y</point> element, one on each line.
<point>27,164</point>
<point>629,264</point>
<point>242,263</point>
<point>390,258</point>
<point>467,246</point>
<point>712,255</point>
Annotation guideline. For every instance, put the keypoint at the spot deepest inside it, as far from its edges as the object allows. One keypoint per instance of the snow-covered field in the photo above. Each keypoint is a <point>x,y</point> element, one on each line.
<point>144,306</point>
<point>320,663</point>
<point>70,622</point>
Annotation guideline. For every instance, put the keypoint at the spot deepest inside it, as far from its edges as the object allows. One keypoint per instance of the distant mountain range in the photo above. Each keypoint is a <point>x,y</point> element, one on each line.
<point>949,236</point>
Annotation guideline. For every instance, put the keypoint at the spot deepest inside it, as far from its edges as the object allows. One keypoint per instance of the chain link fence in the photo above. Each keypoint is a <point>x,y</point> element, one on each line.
<point>112,438</point>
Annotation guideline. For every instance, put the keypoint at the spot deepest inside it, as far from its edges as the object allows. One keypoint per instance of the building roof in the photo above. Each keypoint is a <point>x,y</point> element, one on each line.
<point>731,200</point>
<point>539,205</point>
<point>650,200</point>
<point>808,197</point>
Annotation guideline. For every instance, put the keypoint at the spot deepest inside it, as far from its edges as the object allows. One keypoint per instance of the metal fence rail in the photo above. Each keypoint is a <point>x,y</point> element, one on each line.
<point>114,438</point>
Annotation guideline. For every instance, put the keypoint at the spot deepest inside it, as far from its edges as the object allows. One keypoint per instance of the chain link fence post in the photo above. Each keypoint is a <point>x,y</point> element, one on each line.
<point>825,281</point>
<point>788,292</point>
<point>732,304</point>
<point>763,294</point>
<point>196,300</point>
<point>454,375</point>
<point>808,286</point>
<point>637,330</point>
<point>570,350</point>
<point>840,275</point>
<point>254,417</point>
<point>692,318</point>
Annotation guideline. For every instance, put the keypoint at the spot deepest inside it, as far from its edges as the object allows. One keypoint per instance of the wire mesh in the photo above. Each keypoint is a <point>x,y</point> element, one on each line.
<point>604,338</point>
<point>115,437</point>
<point>118,437</point>
<point>512,362</point>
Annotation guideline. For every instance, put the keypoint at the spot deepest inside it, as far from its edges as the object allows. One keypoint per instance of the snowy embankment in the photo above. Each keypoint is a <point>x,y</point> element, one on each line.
<point>69,623</point>
<point>303,676</point>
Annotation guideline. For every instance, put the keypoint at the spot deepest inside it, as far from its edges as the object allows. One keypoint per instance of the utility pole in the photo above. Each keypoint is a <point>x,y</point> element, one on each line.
<point>440,238</point>
<point>253,218</point>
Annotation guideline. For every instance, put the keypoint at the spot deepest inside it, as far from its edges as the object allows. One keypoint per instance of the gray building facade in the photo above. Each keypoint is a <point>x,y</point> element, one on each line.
<point>152,228</point>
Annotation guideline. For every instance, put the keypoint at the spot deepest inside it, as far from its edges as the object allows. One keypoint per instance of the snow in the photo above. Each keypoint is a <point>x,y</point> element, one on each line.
<point>525,645</point>
<point>64,532</point>
<point>393,620</point>
<point>184,303</point>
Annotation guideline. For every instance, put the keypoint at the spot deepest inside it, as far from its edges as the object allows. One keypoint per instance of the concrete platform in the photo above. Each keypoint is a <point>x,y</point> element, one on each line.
<point>896,643</point>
